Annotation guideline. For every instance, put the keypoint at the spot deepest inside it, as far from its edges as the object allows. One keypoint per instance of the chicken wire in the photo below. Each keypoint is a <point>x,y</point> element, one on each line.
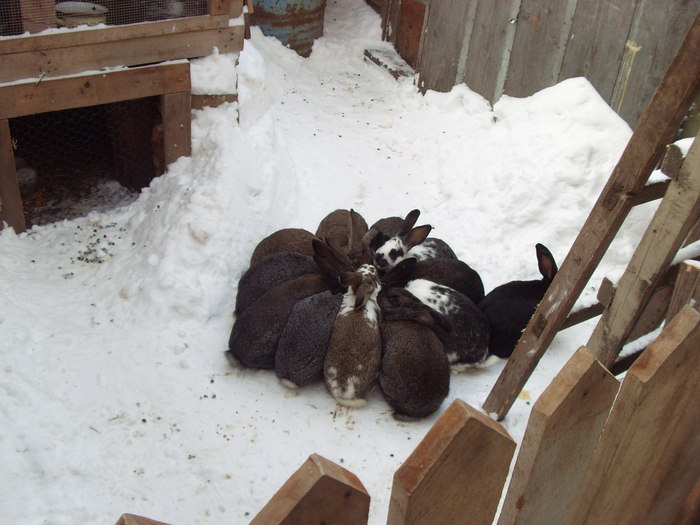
<point>63,156</point>
<point>15,19</point>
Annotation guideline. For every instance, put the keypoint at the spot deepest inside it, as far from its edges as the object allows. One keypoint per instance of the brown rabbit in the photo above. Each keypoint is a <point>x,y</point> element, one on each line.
<point>285,240</point>
<point>347,229</point>
<point>354,352</point>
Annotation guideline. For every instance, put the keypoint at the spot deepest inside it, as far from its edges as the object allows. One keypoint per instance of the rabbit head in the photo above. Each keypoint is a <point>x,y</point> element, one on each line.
<point>390,251</point>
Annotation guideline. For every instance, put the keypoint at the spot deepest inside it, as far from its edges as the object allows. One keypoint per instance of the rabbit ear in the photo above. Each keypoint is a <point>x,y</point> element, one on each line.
<point>431,318</point>
<point>545,262</point>
<point>358,247</point>
<point>350,280</point>
<point>409,222</point>
<point>329,258</point>
<point>377,241</point>
<point>417,235</point>
<point>400,274</point>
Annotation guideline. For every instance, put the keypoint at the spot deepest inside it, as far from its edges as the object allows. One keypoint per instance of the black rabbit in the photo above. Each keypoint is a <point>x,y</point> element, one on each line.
<point>510,306</point>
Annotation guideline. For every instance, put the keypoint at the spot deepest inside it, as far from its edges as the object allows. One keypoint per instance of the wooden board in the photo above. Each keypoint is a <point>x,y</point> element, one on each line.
<point>318,492</point>
<point>408,31</point>
<point>657,31</point>
<point>649,426</point>
<point>686,290</point>
<point>132,519</point>
<point>37,15</point>
<point>442,41</point>
<point>490,46</point>
<point>17,100</point>
<point>456,474</point>
<point>10,200</point>
<point>657,127</point>
<point>598,35</point>
<point>538,48</point>
<point>94,57</point>
<point>177,129</point>
<point>562,432</point>
<point>678,211</point>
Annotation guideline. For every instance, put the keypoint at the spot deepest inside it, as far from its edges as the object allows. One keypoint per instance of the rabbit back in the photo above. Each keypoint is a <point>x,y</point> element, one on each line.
<point>432,248</point>
<point>452,273</point>
<point>284,240</point>
<point>303,344</point>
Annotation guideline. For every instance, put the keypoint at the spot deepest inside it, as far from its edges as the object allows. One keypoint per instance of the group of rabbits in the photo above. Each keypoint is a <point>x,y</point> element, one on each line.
<point>354,306</point>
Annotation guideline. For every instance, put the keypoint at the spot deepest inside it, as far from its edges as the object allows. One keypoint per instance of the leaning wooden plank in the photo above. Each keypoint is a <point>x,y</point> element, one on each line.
<point>319,492</point>
<point>678,211</point>
<point>562,432</point>
<point>690,513</point>
<point>130,52</point>
<point>29,98</point>
<point>648,427</point>
<point>656,128</point>
<point>456,474</point>
<point>132,519</point>
<point>11,210</point>
<point>686,290</point>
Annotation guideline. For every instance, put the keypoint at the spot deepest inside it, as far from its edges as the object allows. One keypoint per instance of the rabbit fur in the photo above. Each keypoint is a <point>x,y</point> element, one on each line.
<point>284,240</point>
<point>510,306</point>
<point>452,273</point>
<point>354,352</point>
<point>415,373</point>
<point>348,229</point>
<point>269,271</point>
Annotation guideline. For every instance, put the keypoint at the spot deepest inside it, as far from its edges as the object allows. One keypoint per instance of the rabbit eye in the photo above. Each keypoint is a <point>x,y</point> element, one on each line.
<point>395,253</point>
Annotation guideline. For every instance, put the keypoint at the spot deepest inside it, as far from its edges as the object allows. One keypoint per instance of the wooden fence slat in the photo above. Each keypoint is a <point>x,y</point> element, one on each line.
<point>562,432</point>
<point>318,492</point>
<point>677,213</point>
<point>648,428</point>
<point>538,48</point>
<point>598,35</point>
<point>132,519</point>
<point>687,288</point>
<point>491,41</point>
<point>177,128</point>
<point>456,474</point>
<point>690,513</point>
<point>657,127</point>
<point>657,31</point>
<point>443,37</point>
<point>11,210</point>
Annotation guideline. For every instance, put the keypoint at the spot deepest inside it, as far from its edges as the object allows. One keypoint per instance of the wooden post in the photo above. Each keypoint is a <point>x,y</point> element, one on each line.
<point>10,200</point>
<point>456,474</point>
<point>37,15</point>
<point>677,213</point>
<point>563,430</point>
<point>656,128</point>
<point>177,127</point>
<point>687,289</point>
<point>319,492</point>
<point>648,429</point>
<point>132,519</point>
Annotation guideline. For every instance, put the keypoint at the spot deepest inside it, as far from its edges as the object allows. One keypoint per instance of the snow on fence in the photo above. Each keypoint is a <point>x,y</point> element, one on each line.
<point>594,451</point>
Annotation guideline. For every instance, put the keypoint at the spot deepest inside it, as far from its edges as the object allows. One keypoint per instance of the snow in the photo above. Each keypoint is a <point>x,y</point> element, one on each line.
<point>116,393</point>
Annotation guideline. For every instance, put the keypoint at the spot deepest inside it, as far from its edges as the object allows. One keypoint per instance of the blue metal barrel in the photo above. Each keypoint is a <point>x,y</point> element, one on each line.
<point>295,23</point>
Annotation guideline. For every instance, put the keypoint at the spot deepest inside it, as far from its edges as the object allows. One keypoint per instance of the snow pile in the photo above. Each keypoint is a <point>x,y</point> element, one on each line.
<point>116,394</point>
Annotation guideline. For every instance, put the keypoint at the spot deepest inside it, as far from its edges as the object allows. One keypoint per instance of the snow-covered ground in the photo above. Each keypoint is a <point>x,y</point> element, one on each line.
<point>116,396</point>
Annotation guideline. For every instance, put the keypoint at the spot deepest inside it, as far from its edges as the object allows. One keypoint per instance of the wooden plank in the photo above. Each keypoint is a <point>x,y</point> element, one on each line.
<point>146,50</point>
<point>29,98</point>
<point>132,519</point>
<point>442,42</point>
<point>678,211</point>
<point>319,492</point>
<point>562,432</point>
<point>409,29</point>
<point>23,44</point>
<point>686,290</point>
<point>649,425</point>
<point>657,31</point>
<point>11,210</point>
<point>597,42</point>
<point>690,513</point>
<point>491,40</point>
<point>538,48</point>
<point>456,474</point>
<point>37,15</point>
<point>177,128</point>
<point>657,128</point>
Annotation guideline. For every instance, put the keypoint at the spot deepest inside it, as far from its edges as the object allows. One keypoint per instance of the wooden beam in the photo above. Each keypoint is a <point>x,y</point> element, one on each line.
<point>657,127</point>
<point>678,211</point>
<point>318,492</point>
<point>11,210</point>
<point>562,432</point>
<point>455,475</point>
<point>177,128</point>
<point>648,428</point>
<point>130,52</point>
<point>28,98</point>
<point>686,290</point>
<point>37,15</point>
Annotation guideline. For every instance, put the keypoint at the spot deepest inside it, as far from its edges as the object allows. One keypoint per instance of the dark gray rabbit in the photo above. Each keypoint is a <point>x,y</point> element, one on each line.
<point>271,270</point>
<point>466,343</point>
<point>452,273</point>
<point>354,353</point>
<point>284,240</point>
<point>303,344</point>
<point>510,306</point>
<point>415,373</point>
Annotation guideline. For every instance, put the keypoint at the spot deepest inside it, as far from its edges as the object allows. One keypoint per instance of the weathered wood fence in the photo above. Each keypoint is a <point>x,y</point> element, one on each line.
<point>594,452</point>
<point>518,47</point>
